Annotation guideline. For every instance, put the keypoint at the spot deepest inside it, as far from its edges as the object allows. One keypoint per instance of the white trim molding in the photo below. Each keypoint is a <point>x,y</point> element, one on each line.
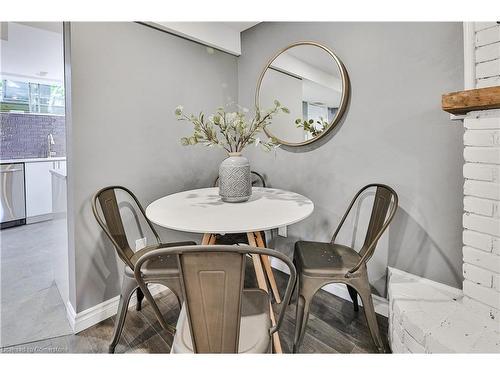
<point>469,56</point>
<point>87,318</point>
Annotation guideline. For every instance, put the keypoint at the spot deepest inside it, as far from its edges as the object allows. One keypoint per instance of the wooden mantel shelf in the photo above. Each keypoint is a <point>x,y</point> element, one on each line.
<point>461,102</point>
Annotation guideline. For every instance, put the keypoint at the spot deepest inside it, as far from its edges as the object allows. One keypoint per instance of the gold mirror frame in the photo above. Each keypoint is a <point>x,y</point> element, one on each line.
<point>343,101</point>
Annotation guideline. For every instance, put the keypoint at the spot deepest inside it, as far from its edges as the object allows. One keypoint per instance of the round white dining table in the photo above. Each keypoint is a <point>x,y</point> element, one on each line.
<point>203,211</point>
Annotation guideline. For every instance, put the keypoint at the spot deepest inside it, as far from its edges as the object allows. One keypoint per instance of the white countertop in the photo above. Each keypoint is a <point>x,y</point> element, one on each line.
<point>32,160</point>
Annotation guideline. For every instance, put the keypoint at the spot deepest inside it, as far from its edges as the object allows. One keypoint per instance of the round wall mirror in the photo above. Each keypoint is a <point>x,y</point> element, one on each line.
<point>311,81</point>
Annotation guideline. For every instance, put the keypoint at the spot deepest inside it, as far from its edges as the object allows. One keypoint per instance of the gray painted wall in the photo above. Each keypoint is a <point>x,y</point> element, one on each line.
<point>394,132</point>
<point>126,80</point>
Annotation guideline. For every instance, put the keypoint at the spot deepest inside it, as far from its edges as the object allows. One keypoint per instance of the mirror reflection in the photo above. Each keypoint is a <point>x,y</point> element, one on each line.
<point>309,81</point>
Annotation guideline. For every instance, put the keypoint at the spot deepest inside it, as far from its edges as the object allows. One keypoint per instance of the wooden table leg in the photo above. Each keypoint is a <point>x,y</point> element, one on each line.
<point>261,281</point>
<point>267,267</point>
<point>208,239</point>
<point>212,239</point>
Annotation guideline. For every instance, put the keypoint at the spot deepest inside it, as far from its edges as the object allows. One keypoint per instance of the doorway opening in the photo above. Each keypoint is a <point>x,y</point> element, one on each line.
<point>33,235</point>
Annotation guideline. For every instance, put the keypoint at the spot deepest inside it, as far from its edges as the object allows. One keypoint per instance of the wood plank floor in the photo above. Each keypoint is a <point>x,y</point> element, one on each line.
<point>333,327</point>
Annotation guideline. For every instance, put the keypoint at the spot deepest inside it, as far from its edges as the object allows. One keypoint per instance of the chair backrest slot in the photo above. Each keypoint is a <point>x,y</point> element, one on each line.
<point>381,204</point>
<point>213,283</point>
<point>111,212</point>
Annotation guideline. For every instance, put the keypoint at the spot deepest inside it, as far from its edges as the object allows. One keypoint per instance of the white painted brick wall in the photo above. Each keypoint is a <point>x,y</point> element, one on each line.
<point>481,172</point>
<point>478,240</point>
<point>489,138</point>
<point>488,36</point>
<point>488,69</point>
<point>488,52</point>
<point>482,224</point>
<point>482,123</point>
<point>487,82</point>
<point>486,56</point>
<point>478,26</point>
<point>490,155</point>
<point>483,259</point>
<point>495,283</point>
<point>482,189</point>
<point>478,275</point>
<point>481,220</point>
<point>481,206</point>
<point>488,296</point>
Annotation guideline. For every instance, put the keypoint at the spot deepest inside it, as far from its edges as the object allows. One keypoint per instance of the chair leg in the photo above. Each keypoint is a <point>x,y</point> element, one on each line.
<point>354,297</point>
<point>140,297</point>
<point>371,317</point>
<point>128,287</point>
<point>157,312</point>
<point>301,318</point>
<point>295,289</point>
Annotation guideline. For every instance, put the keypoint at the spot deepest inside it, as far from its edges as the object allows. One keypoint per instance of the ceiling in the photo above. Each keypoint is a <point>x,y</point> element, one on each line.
<point>224,36</point>
<point>239,26</point>
<point>32,51</point>
<point>55,27</point>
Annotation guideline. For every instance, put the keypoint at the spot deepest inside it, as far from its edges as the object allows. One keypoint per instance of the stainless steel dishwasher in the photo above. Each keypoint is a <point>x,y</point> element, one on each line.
<point>12,195</point>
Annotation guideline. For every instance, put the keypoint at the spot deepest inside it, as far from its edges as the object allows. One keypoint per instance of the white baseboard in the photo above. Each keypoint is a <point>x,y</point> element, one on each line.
<point>98,313</point>
<point>70,314</point>
<point>380,304</point>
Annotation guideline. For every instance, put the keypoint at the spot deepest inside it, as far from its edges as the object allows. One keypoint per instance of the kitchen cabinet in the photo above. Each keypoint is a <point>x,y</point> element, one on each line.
<point>39,189</point>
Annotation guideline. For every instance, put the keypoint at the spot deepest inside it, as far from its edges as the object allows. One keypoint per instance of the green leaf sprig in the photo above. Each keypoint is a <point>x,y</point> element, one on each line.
<point>232,131</point>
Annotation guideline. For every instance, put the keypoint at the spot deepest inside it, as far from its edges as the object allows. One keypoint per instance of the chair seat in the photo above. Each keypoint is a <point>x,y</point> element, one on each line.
<point>254,326</point>
<point>324,259</point>
<point>164,265</point>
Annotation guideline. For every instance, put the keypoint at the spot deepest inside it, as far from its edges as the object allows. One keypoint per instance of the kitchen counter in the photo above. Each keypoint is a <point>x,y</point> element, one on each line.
<point>59,172</point>
<point>59,192</point>
<point>32,160</point>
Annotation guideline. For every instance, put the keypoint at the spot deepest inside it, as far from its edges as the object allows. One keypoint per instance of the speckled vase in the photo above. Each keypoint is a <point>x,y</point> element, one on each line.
<point>235,183</point>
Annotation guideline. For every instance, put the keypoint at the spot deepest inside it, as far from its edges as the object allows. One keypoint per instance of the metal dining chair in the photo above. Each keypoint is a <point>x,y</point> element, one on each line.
<point>319,264</point>
<point>112,225</point>
<point>218,315</point>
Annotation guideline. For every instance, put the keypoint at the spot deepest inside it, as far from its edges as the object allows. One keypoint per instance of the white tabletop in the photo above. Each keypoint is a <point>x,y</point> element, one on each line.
<point>203,211</point>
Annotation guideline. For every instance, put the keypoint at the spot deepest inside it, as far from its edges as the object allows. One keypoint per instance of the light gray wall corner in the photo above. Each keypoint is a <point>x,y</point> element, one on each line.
<point>126,80</point>
<point>394,132</point>
<point>71,214</point>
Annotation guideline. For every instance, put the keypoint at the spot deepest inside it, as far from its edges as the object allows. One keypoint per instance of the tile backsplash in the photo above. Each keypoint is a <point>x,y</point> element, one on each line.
<point>24,135</point>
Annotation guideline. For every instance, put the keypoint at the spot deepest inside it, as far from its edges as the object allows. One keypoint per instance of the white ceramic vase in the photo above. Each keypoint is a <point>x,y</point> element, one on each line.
<point>235,183</point>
